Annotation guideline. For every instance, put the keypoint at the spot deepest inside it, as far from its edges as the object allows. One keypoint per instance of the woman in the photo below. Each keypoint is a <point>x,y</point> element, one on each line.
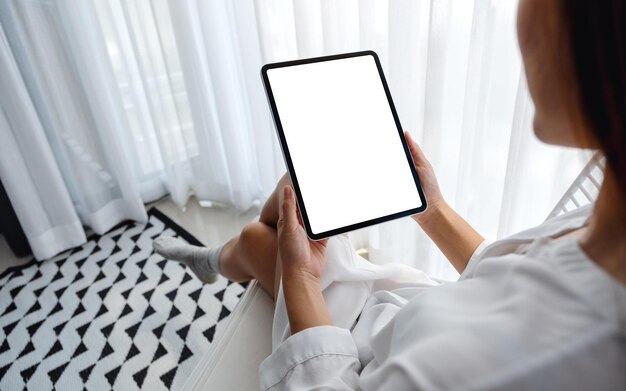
<point>545,308</point>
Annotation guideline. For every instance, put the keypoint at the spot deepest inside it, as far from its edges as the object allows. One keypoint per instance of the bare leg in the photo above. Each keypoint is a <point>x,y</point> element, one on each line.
<point>253,253</point>
<point>250,255</point>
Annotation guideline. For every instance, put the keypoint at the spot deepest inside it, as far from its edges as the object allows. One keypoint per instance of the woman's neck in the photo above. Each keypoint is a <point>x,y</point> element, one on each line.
<point>605,238</point>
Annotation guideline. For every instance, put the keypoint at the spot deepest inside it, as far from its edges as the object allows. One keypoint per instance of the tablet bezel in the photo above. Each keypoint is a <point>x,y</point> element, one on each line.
<point>287,157</point>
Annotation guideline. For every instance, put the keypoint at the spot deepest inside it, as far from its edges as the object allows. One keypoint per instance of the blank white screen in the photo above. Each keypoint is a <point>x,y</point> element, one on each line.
<point>345,148</point>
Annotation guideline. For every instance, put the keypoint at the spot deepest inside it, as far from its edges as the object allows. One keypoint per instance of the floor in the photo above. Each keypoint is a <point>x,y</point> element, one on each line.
<point>210,225</point>
<point>7,258</point>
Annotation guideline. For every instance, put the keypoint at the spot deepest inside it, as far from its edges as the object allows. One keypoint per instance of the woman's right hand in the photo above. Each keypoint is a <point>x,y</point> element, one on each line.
<point>428,180</point>
<point>456,239</point>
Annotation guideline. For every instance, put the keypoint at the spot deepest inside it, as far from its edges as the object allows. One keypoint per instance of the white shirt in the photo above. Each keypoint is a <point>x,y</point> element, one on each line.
<point>529,312</point>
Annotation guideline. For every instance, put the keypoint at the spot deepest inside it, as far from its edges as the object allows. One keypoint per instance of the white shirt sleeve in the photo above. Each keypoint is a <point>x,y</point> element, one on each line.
<point>319,357</point>
<point>475,256</point>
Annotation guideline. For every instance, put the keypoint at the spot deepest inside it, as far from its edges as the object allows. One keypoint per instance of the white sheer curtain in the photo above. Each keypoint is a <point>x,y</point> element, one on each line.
<point>456,77</point>
<point>132,100</point>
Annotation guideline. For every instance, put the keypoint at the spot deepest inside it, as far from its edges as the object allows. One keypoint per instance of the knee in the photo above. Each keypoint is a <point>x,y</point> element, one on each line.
<point>251,236</point>
<point>258,238</point>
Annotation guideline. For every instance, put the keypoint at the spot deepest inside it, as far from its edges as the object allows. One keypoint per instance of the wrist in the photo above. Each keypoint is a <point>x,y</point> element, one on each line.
<point>433,211</point>
<point>299,276</point>
<point>304,301</point>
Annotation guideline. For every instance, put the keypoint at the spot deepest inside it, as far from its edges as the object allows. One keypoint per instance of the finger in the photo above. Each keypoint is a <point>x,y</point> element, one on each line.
<point>416,151</point>
<point>288,211</point>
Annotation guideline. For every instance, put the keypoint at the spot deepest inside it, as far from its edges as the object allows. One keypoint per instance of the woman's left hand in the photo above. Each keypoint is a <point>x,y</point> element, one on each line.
<point>303,262</point>
<point>300,256</point>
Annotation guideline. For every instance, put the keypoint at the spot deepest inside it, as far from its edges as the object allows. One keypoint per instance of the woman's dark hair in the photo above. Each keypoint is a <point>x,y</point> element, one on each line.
<point>597,31</point>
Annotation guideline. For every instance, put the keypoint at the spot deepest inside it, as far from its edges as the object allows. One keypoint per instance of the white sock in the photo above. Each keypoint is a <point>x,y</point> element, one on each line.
<point>203,261</point>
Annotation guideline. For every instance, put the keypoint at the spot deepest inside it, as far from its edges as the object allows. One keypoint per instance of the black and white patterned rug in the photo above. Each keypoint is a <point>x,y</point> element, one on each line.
<point>109,314</point>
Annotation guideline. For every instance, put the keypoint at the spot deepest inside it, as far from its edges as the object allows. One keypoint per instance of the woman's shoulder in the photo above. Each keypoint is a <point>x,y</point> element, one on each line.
<point>524,314</point>
<point>554,274</point>
<point>556,225</point>
<point>520,242</point>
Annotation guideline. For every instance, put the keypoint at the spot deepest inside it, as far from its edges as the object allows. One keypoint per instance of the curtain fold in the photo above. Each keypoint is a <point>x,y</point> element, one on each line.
<point>116,102</point>
<point>33,181</point>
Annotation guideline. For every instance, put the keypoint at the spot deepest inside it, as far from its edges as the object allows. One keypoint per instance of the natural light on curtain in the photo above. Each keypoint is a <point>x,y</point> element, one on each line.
<point>188,78</point>
<point>133,100</point>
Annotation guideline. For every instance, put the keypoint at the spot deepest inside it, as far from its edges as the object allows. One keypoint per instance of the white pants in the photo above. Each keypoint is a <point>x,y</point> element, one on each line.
<point>348,281</point>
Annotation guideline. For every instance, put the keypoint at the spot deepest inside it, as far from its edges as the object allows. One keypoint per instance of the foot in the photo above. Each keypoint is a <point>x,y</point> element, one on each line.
<point>198,259</point>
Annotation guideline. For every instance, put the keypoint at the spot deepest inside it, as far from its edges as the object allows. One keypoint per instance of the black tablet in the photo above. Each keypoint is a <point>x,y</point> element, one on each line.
<point>341,138</point>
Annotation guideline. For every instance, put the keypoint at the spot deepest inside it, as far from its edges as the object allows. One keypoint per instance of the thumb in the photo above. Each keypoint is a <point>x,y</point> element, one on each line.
<point>288,218</point>
<point>416,152</point>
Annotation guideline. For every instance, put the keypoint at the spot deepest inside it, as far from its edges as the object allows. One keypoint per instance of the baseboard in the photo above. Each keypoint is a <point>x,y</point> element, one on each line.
<point>232,362</point>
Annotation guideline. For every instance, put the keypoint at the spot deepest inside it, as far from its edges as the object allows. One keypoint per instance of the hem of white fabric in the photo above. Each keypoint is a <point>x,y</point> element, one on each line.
<point>114,212</point>
<point>475,255</point>
<point>56,240</point>
<point>303,346</point>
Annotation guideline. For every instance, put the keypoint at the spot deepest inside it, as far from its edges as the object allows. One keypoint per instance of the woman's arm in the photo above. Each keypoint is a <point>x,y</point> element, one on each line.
<point>302,263</point>
<point>317,355</point>
<point>304,301</point>
<point>456,239</point>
